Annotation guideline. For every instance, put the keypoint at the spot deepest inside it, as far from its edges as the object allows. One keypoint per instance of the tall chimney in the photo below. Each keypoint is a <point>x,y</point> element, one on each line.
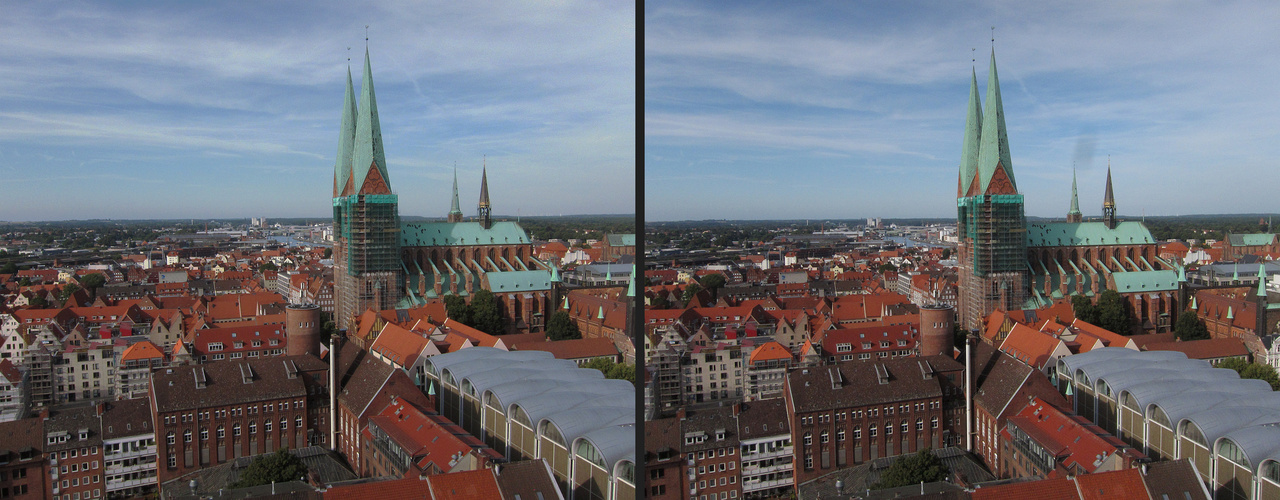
<point>968,392</point>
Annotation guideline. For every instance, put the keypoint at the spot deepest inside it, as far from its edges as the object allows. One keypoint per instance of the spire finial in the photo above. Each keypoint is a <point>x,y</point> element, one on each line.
<point>973,57</point>
<point>348,57</point>
<point>993,37</point>
<point>366,37</point>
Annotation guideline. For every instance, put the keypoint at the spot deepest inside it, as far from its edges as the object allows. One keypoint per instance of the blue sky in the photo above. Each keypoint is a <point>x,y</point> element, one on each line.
<point>178,110</point>
<point>769,110</point>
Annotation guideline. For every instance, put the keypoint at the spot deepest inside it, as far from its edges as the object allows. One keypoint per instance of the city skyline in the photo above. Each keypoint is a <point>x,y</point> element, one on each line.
<point>159,111</point>
<point>846,111</point>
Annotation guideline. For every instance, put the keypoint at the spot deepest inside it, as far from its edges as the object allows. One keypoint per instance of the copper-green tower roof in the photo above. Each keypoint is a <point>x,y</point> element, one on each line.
<point>368,138</point>
<point>995,140</point>
<point>346,137</point>
<point>972,135</point>
<point>455,208</point>
<point>1075,198</point>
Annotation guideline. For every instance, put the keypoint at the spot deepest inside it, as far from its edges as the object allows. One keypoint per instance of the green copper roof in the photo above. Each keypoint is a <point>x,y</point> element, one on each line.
<point>519,281</point>
<point>346,136</point>
<point>1145,281</point>
<point>455,208</point>
<point>1075,199</point>
<point>555,275</point>
<point>368,138</point>
<point>430,234</point>
<point>972,134</point>
<point>621,240</point>
<point>995,141</point>
<point>1251,240</point>
<point>1262,280</point>
<point>631,284</point>
<point>1053,234</point>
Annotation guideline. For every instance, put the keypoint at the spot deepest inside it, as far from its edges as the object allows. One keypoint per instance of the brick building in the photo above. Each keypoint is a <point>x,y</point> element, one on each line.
<point>855,411</point>
<point>24,472</point>
<point>710,445</point>
<point>73,443</point>
<point>209,414</point>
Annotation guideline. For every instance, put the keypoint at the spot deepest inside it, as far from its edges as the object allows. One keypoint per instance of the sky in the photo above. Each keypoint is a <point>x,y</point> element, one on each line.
<point>841,110</point>
<point>142,110</point>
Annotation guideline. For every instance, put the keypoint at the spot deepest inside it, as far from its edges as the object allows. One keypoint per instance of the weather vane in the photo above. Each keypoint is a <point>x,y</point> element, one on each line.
<point>366,36</point>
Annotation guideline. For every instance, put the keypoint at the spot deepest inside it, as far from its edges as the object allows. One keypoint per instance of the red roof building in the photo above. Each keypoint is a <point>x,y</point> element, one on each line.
<point>1041,440</point>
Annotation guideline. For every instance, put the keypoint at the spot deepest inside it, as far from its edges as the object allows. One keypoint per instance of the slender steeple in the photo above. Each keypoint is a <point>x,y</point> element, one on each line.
<point>993,158</point>
<point>368,158</point>
<point>1109,202</point>
<point>484,208</point>
<point>455,210</point>
<point>346,140</point>
<point>1074,214</point>
<point>972,135</point>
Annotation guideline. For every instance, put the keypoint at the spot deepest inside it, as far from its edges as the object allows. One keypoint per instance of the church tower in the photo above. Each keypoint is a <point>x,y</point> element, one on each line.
<point>1109,202</point>
<point>484,210</point>
<point>366,218</point>
<point>1074,215</point>
<point>993,246</point>
<point>455,210</point>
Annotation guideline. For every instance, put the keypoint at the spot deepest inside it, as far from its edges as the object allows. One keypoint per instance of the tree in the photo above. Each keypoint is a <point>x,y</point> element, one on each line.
<point>913,469</point>
<point>562,327</point>
<point>946,253</point>
<point>659,301</point>
<point>486,315</point>
<point>689,291</point>
<point>622,371</point>
<point>887,267</point>
<point>67,291</point>
<point>1084,309</point>
<point>602,364</point>
<point>457,309</point>
<point>39,302</point>
<point>328,253</point>
<point>1258,371</point>
<point>712,282</point>
<point>9,268</point>
<point>269,266</point>
<point>278,467</point>
<point>92,282</point>
<point>1190,327</point>
<point>1113,312</point>
<point>24,282</point>
<point>327,330</point>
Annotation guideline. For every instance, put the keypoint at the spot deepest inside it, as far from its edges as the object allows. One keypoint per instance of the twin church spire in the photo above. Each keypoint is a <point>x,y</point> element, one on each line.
<point>985,164</point>
<point>361,164</point>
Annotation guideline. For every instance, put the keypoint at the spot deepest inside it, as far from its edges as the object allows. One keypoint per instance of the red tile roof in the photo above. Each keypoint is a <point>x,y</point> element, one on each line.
<point>399,345</point>
<point>401,489</point>
<point>470,485</point>
<point>769,351</point>
<point>1048,489</point>
<point>572,349</point>
<point>1029,346</point>
<point>1224,347</point>
<point>1124,484</point>
<point>141,350</point>
<point>10,372</point>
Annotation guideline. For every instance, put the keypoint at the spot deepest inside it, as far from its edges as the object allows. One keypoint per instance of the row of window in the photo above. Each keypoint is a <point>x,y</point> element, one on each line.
<point>712,454</point>
<point>78,467</point>
<point>171,438</point>
<point>723,481</point>
<point>871,413</point>
<point>233,412</point>
<point>857,431</point>
<point>703,469</point>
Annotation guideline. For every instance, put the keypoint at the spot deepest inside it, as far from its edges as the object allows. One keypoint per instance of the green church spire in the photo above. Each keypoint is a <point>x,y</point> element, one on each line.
<point>346,139</point>
<point>455,210</point>
<point>368,138</point>
<point>972,134</point>
<point>995,140</point>
<point>1074,214</point>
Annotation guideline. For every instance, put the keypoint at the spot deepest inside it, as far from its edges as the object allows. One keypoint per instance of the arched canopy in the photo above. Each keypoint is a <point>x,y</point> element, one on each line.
<point>612,445</point>
<point>1249,446</point>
